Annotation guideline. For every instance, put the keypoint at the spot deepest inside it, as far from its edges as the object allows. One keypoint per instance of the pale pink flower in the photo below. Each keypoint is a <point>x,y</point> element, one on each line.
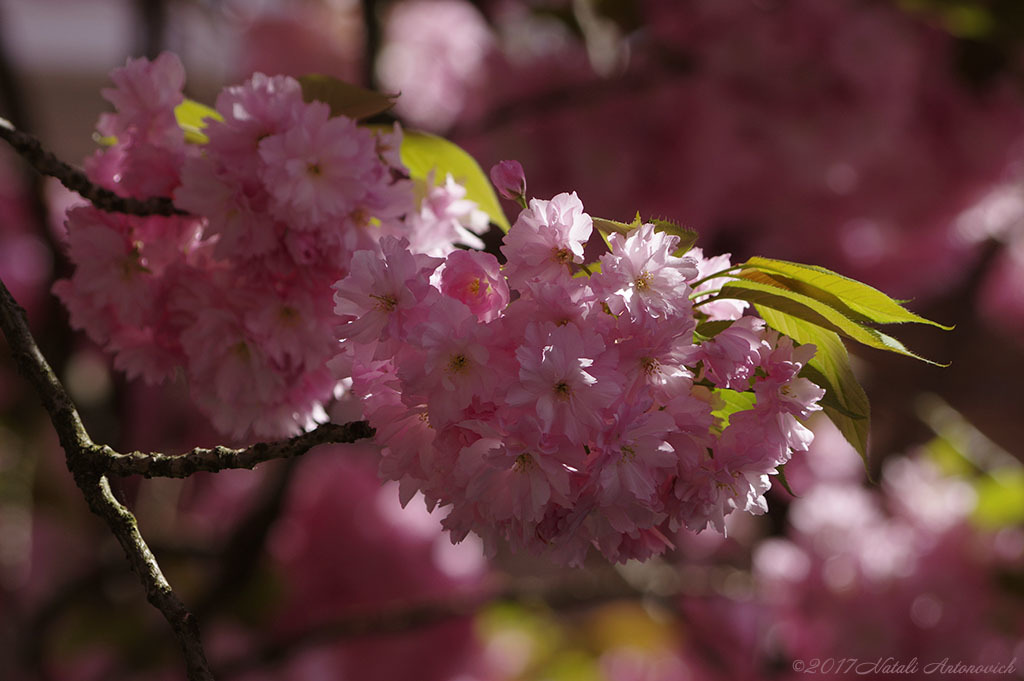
<point>784,394</point>
<point>725,308</point>
<point>145,95</point>
<point>560,303</point>
<point>381,295</point>
<point>290,325</point>
<point>515,483</point>
<point>557,374</point>
<point>641,275</point>
<point>447,361</point>
<point>445,217</point>
<point>145,353</point>
<point>98,321</point>
<point>111,269</point>
<point>261,107</point>
<point>433,53</point>
<point>654,354</point>
<point>240,221</point>
<point>631,466</point>
<point>732,356</point>
<point>319,169</point>
<point>546,239</point>
<point>753,441</point>
<point>230,377</point>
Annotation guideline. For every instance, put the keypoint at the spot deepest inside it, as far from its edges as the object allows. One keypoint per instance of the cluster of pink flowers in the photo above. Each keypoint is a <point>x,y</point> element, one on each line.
<point>236,295</point>
<point>560,411</point>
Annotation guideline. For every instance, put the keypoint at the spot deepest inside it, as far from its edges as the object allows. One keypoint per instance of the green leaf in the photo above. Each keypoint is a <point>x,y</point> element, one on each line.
<point>728,402</point>
<point>863,301</point>
<point>343,98</point>
<point>814,311</point>
<point>845,402</point>
<point>687,236</point>
<point>191,117</point>
<point>781,471</point>
<point>606,226</point>
<point>708,330</point>
<point>423,153</point>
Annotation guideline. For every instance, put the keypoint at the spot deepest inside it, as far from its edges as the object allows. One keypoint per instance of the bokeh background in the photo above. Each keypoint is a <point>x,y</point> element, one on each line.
<point>881,138</point>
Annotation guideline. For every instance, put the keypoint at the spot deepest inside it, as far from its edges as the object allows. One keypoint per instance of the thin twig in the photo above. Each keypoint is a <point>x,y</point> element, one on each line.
<point>31,149</point>
<point>221,458</point>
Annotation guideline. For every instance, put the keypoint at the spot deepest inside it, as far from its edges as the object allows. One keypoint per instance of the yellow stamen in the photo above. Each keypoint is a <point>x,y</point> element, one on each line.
<point>524,462</point>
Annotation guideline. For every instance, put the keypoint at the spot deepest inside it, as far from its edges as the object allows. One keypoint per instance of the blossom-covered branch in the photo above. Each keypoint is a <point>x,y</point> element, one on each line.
<point>46,163</point>
<point>221,458</point>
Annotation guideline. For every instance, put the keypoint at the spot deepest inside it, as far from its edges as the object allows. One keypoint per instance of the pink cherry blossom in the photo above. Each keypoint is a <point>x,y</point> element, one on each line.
<point>546,239</point>
<point>378,297</point>
<point>320,169</point>
<point>474,279</point>
<point>731,357</point>
<point>446,217</point>
<point>558,374</point>
<point>643,277</point>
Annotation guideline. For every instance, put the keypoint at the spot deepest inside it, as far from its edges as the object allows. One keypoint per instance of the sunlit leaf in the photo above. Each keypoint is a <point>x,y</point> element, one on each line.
<point>423,153</point>
<point>624,623</point>
<point>845,401</point>
<point>687,236</point>
<point>606,226</point>
<point>730,402</point>
<point>814,311</point>
<point>343,98</point>
<point>191,117</point>
<point>968,21</point>
<point>863,301</point>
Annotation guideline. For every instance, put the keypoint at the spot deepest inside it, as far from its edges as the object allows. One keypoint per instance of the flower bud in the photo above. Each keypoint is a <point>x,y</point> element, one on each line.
<point>510,180</point>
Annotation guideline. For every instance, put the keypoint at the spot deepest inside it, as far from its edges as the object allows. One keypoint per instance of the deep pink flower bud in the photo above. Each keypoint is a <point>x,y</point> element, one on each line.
<point>509,178</point>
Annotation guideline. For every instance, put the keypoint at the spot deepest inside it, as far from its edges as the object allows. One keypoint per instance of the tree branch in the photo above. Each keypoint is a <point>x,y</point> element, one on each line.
<point>95,486</point>
<point>33,366</point>
<point>222,458</point>
<point>158,591</point>
<point>31,149</point>
<point>90,464</point>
